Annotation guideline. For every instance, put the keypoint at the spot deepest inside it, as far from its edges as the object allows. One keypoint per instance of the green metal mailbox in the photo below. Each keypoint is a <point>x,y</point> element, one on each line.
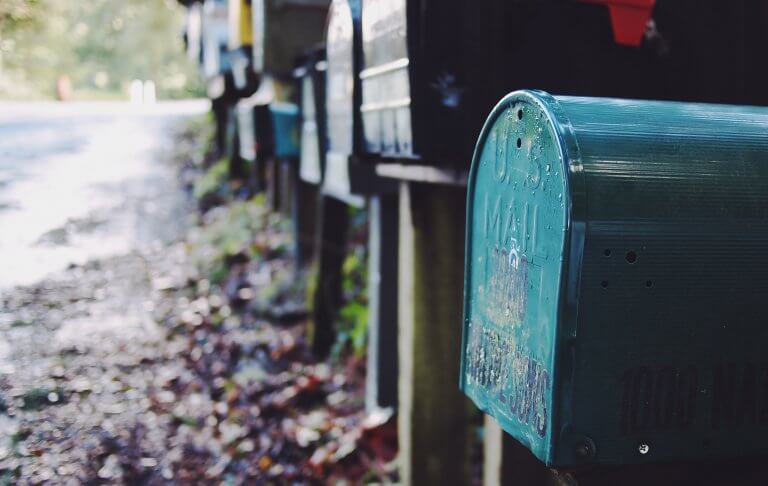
<point>615,278</point>
<point>285,123</point>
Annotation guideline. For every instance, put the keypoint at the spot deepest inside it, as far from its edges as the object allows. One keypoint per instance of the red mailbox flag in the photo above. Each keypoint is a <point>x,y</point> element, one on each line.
<point>629,18</point>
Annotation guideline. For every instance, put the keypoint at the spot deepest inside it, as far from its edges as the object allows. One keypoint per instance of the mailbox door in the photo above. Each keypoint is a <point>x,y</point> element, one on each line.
<point>246,131</point>
<point>386,104</point>
<point>517,225</point>
<point>285,120</point>
<point>310,168</point>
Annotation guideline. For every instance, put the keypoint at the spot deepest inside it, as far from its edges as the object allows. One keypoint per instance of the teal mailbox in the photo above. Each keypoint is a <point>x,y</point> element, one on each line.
<point>285,123</point>
<point>616,277</point>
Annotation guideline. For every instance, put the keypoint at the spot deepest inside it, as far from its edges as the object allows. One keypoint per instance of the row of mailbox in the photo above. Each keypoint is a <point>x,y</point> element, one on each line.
<point>614,273</point>
<point>413,80</point>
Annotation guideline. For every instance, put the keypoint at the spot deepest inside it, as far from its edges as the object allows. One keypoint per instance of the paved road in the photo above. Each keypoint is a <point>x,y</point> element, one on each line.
<point>90,184</point>
<point>84,180</point>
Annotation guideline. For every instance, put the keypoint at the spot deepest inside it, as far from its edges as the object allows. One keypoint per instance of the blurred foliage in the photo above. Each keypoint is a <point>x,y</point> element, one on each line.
<point>100,45</point>
<point>193,142</point>
<point>212,180</point>
<point>228,231</point>
<point>352,325</point>
<point>240,231</point>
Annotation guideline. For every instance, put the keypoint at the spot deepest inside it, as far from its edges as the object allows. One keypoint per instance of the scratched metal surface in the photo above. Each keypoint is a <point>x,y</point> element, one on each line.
<point>656,350</point>
<point>386,85</point>
<point>310,165</point>
<point>516,233</point>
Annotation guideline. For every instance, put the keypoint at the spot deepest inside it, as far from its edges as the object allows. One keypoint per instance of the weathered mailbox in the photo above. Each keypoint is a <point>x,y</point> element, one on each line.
<point>616,277</point>
<point>310,77</point>
<point>342,98</point>
<point>283,29</point>
<point>416,89</point>
<point>254,122</point>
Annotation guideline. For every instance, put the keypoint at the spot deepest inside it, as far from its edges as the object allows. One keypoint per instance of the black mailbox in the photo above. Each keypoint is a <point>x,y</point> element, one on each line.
<point>432,69</point>
<point>283,29</point>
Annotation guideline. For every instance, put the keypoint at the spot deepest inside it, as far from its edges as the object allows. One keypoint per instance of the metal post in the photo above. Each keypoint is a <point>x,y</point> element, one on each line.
<point>507,463</point>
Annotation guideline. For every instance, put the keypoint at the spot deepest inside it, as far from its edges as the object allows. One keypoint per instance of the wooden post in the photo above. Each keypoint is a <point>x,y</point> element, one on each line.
<point>258,175</point>
<point>508,463</point>
<point>287,180</point>
<point>433,414</point>
<point>305,202</point>
<point>272,169</point>
<point>381,380</point>
<point>237,166</point>
<point>333,219</point>
<point>219,109</point>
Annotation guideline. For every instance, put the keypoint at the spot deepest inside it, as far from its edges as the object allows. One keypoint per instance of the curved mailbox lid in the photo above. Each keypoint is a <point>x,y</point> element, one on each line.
<point>342,97</point>
<point>629,329</point>
<point>311,80</point>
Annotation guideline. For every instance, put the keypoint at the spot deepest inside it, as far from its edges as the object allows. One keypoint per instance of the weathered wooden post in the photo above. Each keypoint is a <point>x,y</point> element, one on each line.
<point>333,225</point>
<point>348,179</point>
<point>342,116</point>
<point>433,417</point>
<point>381,380</point>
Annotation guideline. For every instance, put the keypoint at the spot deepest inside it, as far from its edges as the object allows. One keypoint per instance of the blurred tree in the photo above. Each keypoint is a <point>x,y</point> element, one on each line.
<point>101,45</point>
